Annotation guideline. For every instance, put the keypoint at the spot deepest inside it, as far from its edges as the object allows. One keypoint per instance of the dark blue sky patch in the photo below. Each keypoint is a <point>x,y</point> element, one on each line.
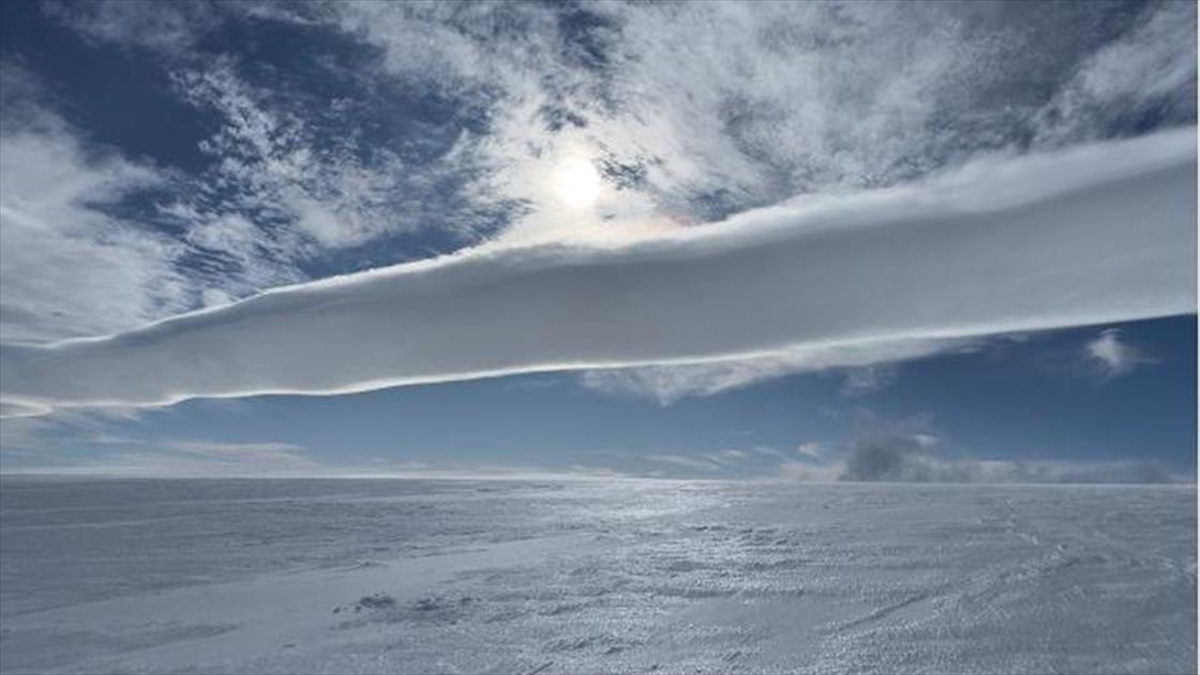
<point>116,96</point>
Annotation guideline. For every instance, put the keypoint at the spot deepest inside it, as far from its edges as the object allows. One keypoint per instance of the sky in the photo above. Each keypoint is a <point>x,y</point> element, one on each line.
<point>798,241</point>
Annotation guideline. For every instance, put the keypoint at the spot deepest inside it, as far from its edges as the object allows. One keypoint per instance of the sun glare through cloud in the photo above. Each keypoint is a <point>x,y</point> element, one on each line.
<point>577,183</point>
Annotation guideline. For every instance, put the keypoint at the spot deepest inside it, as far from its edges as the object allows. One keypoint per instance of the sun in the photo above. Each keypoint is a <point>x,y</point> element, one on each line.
<point>577,183</point>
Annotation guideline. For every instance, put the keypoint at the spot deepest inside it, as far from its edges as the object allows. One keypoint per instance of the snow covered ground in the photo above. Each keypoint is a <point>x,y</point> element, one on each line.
<point>607,576</point>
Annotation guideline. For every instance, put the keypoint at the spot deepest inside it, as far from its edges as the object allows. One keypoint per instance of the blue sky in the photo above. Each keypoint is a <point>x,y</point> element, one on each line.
<point>162,158</point>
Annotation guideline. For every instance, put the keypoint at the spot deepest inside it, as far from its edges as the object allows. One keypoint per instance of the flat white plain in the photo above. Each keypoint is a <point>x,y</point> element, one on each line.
<point>523,576</point>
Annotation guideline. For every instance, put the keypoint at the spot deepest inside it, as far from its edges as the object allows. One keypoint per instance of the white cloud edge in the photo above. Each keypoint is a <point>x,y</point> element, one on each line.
<point>1002,245</point>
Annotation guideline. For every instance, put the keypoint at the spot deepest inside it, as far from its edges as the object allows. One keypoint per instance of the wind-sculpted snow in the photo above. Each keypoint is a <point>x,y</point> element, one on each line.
<point>1090,235</point>
<point>418,576</point>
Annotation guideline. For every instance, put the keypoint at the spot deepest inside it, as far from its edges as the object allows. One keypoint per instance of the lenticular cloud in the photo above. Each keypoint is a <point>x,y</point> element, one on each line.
<point>1096,234</point>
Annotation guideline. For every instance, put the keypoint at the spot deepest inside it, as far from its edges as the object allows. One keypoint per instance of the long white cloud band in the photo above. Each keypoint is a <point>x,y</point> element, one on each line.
<point>1089,235</point>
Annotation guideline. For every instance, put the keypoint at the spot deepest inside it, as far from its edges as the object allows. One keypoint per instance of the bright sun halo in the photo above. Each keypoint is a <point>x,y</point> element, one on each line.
<point>577,183</point>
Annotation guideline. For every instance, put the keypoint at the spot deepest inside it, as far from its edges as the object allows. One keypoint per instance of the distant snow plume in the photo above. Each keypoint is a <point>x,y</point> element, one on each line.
<point>1091,235</point>
<point>897,456</point>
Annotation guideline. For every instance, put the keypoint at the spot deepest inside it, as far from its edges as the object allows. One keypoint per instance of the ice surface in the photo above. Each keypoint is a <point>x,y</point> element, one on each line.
<point>616,576</point>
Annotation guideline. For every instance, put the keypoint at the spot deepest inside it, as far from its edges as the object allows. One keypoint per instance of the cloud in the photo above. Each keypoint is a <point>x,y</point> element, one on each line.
<point>767,451</point>
<point>670,383</point>
<point>1146,74</point>
<point>693,111</point>
<point>727,457</point>
<point>706,109</point>
<point>810,449</point>
<point>448,120</point>
<point>902,453</point>
<point>684,462</point>
<point>69,266</point>
<point>1017,245</point>
<point>121,455</point>
<point>754,462</point>
<point>895,457</point>
<point>23,433</point>
<point>807,472</point>
<point>862,381</point>
<point>255,456</point>
<point>165,29</point>
<point>154,463</point>
<point>317,183</point>
<point>43,432</point>
<point>296,174</point>
<point>898,456</point>
<point>1112,355</point>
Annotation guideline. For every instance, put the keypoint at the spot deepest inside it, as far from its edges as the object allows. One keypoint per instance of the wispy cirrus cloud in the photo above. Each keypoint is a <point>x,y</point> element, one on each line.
<point>784,99</point>
<point>25,441</point>
<point>69,265</point>
<point>860,361</point>
<point>685,462</point>
<point>244,456</point>
<point>688,123</point>
<point>320,183</point>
